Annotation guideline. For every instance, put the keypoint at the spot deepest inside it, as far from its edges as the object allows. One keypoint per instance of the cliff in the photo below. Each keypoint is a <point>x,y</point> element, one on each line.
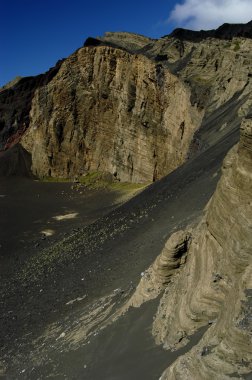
<point>137,108</point>
<point>15,106</point>
<point>206,276</point>
<point>108,110</point>
<point>216,68</point>
<point>113,104</point>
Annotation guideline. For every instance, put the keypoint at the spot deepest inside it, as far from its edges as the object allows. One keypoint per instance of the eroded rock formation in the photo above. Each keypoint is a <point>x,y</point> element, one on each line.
<point>214,287</point>
<point>160,273</point>
<point>108,110</point>
<point>15,104</point>
<point>133,106</point>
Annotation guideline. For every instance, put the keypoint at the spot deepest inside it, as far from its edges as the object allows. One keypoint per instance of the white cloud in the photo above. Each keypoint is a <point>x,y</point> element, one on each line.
<point>209,14</point>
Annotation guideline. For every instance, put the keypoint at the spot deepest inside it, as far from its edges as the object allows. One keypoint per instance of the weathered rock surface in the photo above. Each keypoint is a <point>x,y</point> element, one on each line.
<point>15,105</point>
<point>214,287</point>
<point>113,105</point>
<point>172,256</point>
<point>216,67</point>
<point>160,273</point>
<point>110,111</point>
<point>129,41</point>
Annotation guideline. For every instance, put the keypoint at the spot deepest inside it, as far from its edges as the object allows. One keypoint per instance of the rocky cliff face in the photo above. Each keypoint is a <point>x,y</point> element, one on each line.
<point>215,285</point>
<point>107,110</point>
<point>15,105</point>
<point>216,67</point>
<point>133,106</point>
<point>212,286</point>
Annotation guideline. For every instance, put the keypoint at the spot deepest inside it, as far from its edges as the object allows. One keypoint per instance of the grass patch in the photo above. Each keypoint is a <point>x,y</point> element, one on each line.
<point>98,180</point>
<point>227,45</point>
<point>54,179</point>
<point>237,46</point>
<point>201,79</point>
<point>95,179</point>
<point>127,186</point>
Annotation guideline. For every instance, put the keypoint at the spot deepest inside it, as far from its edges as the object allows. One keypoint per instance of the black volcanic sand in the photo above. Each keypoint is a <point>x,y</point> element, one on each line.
<point>30,207</point>
<point>101,358</point>
<point>107,254</point>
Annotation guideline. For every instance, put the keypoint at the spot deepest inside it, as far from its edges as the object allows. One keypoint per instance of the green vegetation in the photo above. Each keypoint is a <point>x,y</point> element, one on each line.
<point>227,45</point>
<point>202,80</point>
<point>98,180</point>
<point>54,179</point>
<point>95,180</point>
<point>237,46</point>
<point>127,186</point>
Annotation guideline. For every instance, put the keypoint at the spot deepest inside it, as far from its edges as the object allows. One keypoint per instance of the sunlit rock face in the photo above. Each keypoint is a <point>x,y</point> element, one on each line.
<point>130,105</point>
<point>108,110</point>
<point>214,287</point>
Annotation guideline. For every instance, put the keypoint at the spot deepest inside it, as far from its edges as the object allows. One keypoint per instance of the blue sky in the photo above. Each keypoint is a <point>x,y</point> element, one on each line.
<point>34,34</point>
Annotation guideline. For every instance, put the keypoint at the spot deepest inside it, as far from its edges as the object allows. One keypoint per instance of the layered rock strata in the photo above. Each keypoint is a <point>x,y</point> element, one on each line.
<point>216,66</point>
<point>115,106</point>
<point>214,287</point>
<point>160,273</point>
<point>107,110</point>
<point>205,275</point>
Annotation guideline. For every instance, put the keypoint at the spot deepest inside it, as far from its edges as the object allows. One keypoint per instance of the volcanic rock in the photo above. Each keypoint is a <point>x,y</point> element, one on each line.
<point>113,105</point>
<point>107,110</point>
<point>221,244</point>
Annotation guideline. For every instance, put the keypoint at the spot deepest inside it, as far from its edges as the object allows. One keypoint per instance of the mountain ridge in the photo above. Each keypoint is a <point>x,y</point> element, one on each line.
<point>225,31</point>
<point>140,109</point>
<point>214,73</point>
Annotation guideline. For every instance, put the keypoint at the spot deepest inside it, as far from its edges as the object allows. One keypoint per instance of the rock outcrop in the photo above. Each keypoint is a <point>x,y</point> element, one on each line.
<point>111,111</point>
<point>216,67</point>
<point>131,105</point>
<point>214,287</point>
<point>224,32</point>
<point>15,105</point>
<point>160,273</point>
<point>217,71</point>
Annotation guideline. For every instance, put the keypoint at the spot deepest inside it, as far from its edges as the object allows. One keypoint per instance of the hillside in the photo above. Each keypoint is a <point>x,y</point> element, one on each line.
<point>112,105</point>
<point>157,286</point>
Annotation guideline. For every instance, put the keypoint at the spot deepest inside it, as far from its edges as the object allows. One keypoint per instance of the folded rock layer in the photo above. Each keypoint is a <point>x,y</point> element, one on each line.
<point>215,287</point>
